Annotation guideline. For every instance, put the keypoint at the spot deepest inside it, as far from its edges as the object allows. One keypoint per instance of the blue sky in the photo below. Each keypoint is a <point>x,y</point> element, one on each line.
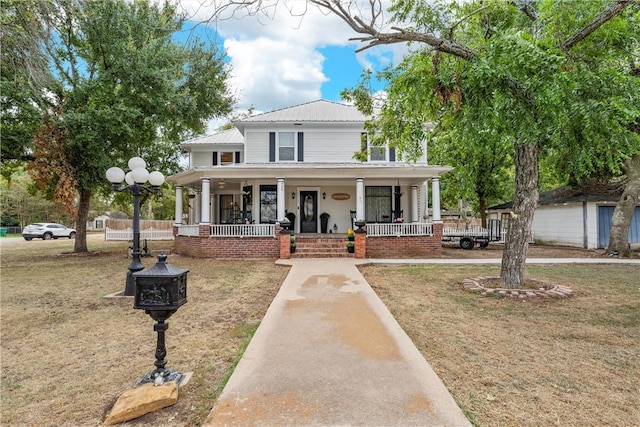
<point>286,59</point>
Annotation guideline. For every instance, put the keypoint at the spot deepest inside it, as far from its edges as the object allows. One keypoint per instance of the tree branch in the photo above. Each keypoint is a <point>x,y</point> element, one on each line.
<point>609,13</point>
<point>375,37</point>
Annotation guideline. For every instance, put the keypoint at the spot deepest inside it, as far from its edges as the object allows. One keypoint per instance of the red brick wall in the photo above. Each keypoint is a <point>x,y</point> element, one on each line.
<point>228,247</point>
<point>406,246</point>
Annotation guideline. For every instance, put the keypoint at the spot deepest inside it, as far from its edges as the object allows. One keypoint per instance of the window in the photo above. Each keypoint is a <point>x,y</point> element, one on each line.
<point>226,157</point>
<point>370,152</point>
<point>377,203</point>
<point>286,146</point>
<point>268,204</point>
<point>377,154</point>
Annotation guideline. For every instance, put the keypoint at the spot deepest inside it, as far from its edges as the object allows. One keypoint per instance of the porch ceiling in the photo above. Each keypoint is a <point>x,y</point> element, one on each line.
<point>408,174</point>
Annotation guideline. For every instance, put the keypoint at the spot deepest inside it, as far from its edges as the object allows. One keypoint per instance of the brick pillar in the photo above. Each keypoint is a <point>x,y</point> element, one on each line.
<point>437,231</point>
<point>204,231</point>
<point>175,230</point>
<point>285,244</point>
<point>361,244</point>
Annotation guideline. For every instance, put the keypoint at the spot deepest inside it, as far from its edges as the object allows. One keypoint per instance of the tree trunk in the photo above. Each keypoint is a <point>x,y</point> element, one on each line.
<point>482,206</point>
<point>623,213</point>
<point>524,206</point>
<point>80,244</point>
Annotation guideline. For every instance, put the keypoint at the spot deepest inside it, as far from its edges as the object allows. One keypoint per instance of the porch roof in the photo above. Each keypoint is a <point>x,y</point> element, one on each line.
<point>409,174</point>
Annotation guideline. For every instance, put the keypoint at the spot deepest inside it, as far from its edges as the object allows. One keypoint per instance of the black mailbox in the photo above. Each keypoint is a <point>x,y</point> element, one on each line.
<point>160,291</point>
<point>162,287</point>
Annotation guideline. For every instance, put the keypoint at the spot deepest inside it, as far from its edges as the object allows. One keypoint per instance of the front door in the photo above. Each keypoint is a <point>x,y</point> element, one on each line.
<point>308,211</point>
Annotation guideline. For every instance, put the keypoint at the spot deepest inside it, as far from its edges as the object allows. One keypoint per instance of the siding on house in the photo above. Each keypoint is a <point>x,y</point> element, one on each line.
<point>559,225</point>
<point>337,147</point>
<point>257,147</point>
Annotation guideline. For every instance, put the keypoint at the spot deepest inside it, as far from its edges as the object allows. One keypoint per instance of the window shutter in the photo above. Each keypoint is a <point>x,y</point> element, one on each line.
<point>272,146</point>
<point>300,146</point>
<point>392,154</point>
<point>215,158</point>
<point>237,157</point>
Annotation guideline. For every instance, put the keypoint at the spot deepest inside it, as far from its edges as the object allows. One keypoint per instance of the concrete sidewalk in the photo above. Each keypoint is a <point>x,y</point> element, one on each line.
<point>328,352</point>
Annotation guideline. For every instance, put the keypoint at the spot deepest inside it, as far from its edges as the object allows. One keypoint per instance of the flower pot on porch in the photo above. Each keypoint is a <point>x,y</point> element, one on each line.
<point>324,222</point>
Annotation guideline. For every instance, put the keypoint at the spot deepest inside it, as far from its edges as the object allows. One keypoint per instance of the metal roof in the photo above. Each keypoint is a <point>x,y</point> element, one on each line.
<point>230,136</point>
<point>315,111</point>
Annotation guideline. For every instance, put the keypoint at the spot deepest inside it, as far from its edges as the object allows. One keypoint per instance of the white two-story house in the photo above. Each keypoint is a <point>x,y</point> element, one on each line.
<point>300,160</point>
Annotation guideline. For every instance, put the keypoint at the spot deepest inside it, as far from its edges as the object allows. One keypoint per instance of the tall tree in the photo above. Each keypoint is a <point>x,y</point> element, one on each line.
<point>520,61</point>
<point>523,63</point>
<point>124,87</point>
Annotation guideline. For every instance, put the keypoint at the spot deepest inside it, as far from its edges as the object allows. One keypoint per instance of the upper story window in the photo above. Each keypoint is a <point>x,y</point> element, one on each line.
<point>286,146</point>
<point>377,154</point>
<point>374,153</point>
<point>225,157</point>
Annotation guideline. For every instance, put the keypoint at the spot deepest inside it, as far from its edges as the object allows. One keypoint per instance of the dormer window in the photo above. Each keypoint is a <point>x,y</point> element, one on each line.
<point>226,157</point>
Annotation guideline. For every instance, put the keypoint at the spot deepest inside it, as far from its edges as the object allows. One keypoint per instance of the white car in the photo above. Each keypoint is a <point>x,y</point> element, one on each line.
<point>47,231</point>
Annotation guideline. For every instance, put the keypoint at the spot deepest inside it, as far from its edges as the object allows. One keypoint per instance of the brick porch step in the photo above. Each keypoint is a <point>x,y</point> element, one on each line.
<point>321,247</point>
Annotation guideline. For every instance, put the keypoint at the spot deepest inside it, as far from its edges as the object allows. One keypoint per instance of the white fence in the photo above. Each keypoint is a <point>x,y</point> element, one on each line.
<point>122,229</point>
<point>148,234</point>
<point>231,230</point>
<point>403,229</point>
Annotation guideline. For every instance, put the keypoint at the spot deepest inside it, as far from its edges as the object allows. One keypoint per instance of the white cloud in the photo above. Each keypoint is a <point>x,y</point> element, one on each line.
<point>274,55</point>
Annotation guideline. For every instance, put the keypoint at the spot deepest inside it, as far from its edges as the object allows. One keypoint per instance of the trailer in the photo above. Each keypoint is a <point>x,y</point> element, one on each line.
<point>470,237</point>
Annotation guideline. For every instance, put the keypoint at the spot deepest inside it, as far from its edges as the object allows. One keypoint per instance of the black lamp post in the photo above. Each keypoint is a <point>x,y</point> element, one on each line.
<point>135,180</point>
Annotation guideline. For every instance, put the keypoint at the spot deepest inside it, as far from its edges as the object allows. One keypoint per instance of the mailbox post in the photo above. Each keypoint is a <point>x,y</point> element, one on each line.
<point>160,291</point>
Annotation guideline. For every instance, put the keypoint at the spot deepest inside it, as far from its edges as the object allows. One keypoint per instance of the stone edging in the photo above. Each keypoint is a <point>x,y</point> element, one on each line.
<point>546,289</point>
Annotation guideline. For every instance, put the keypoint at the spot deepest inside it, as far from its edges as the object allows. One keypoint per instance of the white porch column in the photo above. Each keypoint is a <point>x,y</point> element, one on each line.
<point>196,207</point>
<point>360,198</point>
<point>435,194</point>
<point>205,200</point>
<point>425,203</point>
<point>178,215</point>
<point>414,203</point>
<point>281,197</point>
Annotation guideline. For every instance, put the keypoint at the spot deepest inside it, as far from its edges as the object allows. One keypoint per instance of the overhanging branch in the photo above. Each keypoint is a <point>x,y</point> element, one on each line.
<point>609,13</point>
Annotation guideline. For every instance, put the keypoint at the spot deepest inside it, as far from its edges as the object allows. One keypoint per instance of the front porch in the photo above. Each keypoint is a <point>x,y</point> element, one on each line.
<point>400,240</point>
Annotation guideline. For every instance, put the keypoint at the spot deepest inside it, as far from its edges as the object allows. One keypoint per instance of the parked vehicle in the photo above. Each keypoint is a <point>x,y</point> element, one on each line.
<point>47,231</point>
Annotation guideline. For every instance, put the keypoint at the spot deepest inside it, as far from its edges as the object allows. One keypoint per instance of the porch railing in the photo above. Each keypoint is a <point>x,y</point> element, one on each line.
<point>243,230</point>
<point>403,229</point>
<point>188,230</point>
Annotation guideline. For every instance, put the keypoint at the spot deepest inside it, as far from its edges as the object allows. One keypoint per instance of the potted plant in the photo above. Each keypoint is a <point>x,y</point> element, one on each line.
<point>360,223</point>
<point>324,221</point>
<point>350,235</point>
<point>292,243</point>
<point>351,247</point>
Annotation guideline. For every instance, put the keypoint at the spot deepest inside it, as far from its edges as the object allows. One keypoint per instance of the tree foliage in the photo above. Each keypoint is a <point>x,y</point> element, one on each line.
<point>123,87</point>
<point>539,78</point>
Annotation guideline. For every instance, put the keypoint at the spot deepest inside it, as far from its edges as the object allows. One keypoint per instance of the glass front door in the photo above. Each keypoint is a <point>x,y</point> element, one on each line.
<point>308,211</point>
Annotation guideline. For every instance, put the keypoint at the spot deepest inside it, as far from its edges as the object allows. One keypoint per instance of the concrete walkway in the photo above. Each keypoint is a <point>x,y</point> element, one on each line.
<point>328,352</point>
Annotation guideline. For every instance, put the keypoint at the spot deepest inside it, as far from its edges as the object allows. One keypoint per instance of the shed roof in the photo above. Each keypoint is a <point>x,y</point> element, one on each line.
<point>610,192</point>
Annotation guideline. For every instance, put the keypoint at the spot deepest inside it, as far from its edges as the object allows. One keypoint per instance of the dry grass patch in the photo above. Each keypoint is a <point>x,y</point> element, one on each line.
<point>564,362</point>
<point>67,352</point>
